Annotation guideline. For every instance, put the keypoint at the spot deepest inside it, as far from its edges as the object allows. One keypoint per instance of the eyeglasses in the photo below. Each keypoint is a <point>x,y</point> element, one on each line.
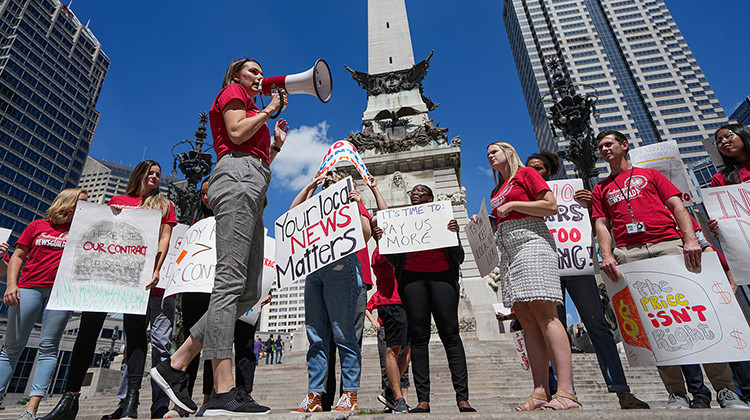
<point>728,137</point>
<point>419,191</point>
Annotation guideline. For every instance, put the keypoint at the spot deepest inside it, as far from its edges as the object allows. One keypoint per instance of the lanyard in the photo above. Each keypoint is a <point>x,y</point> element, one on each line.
<point>627,197</point>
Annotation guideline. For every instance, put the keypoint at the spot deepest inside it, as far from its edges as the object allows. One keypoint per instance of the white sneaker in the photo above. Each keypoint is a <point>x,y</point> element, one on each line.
<point>26,415</point>
<point>677,401</point>
<point>729,399</point>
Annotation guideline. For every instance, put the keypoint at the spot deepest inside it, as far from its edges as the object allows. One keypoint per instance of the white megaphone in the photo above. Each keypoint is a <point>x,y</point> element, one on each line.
<point>316,81</point>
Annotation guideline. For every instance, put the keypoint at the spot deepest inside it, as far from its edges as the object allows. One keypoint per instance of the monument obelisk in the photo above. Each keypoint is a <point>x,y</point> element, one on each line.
<point>402,146</point>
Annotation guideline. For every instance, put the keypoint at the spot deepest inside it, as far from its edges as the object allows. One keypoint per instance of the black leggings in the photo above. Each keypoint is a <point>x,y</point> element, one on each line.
<point>85,346</point>
<point>244,336</point>
<point>423,294</point>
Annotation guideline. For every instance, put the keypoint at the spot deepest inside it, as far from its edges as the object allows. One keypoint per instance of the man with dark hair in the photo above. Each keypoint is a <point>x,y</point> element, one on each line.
<point>647,218</point>
<point>269,348</point>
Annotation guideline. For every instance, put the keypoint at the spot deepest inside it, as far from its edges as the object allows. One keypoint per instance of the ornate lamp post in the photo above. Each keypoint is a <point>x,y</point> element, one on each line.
<point>570,113</point>
<point>194,164</point>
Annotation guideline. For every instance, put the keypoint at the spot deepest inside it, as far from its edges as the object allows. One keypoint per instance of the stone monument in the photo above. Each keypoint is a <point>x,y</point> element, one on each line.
<point>402,146</point>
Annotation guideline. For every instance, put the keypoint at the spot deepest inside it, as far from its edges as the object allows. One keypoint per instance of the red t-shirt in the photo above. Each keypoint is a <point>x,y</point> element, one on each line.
<point>46,243</point>
<point>525,186</point>
<point>259,144</point>
<point>718,180</point>
<point>385,279</point>
<point>430,261</point>
<point>648,191</point>
<point>134,201</point>
<point>363,254</point>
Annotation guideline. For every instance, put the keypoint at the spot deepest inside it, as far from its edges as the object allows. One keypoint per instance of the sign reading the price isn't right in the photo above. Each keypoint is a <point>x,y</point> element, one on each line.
<point>670,316</point>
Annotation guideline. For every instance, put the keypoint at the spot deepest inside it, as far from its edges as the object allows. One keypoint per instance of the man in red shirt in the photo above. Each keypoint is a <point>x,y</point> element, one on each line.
<point>647,218</point>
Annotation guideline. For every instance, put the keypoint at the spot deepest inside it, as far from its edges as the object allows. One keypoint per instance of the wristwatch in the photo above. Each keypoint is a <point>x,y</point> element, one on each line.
<point>276,148</point>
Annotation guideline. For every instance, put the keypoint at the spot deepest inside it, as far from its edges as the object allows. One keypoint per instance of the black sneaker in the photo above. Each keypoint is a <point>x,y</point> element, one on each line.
<point>201,411</point>
<point>115,415</point>
<point>700,402</point>
<point>66,408</point>
<point>174,383</point>
<point>233,403</point>
<point>386,398</point>
<point>400,406</point>
<point>130,405</point>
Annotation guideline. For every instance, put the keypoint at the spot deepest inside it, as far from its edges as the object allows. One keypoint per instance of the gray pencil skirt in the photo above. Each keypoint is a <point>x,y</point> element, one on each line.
<point>528,261</point>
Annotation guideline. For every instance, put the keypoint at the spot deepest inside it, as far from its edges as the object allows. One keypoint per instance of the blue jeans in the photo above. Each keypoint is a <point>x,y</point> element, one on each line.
<point>21,319</point>
<point>585,296</point>
<point>269,356</point>
<point>330,307</point>
<point>279,352</point>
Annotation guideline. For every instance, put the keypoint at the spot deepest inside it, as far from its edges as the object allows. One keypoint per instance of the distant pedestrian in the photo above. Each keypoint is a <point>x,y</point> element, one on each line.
<point>279,349</point>
<point>269,348</point>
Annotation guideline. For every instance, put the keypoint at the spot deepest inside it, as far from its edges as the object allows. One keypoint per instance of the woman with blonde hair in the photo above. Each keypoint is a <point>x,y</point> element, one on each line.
<point>529,276</point>
<point>41,246</point>
<point>142,191</point>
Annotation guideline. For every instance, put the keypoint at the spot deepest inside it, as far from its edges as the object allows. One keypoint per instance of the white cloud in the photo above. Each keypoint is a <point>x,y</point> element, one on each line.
<point>485,170</point>
<point>569,319</point>
<point>303,152</point>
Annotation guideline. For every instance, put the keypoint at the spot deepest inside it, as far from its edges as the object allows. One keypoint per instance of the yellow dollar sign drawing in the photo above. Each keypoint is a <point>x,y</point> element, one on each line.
<point>629,326</point>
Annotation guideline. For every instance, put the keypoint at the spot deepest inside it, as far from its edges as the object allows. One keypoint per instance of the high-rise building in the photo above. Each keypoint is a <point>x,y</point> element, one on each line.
<point>286,311</point>
<point>51,72</point>
<point>104,180</point>
<point>629,53</point>
<point>742,113</point>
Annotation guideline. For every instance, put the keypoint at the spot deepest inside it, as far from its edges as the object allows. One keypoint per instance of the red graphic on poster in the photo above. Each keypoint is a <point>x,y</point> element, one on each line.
<point>628,319</point>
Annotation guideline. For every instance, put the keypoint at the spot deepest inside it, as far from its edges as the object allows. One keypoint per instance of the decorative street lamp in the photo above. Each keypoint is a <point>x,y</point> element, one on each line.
<point>570,113</point>
<point>195,165</point>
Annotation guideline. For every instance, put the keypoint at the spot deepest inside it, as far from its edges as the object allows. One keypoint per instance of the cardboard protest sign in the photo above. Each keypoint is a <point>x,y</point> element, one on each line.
<point>194,268</point>
<point>340,151</point>
<point>670,316</point>
<point>269,279</point>
<point>318,232</point>
<point>571,228</point>
<point>523,356</point>
<point>108,260</point>
<point>416,228</point>
<point>175,245</point>
<point>730,206</point>
<point>664,157</point>
<point>482,242</point>
<point>4,235</point>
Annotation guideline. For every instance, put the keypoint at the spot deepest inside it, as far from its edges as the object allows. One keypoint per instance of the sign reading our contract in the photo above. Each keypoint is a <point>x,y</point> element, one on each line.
<point>175,244</point>
<point>482,242</point>
<point>571,228</point>
<point>340,151</point>
<point>416,228</point>
<point>269,279</point>
<point>730,206</point>
<point>194,267</point>
<point>665,158</point>
<point>108,260</point>
<point>321,230</point>
<point>670,316</point>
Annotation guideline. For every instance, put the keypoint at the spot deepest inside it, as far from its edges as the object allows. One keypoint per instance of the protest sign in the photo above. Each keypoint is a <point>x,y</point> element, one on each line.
<point>523,356</point>
<point>4,235</point>
<point>664,157</point>
<point>730,206</point>
<point>108,260</point>
<point>269,279</point>
<point>175,245</point>
<point>482,242</point>
<point>194,268</point>
<point>571,228</point>
<point>670,316</point>
<point>340,151</point>
<point>416,228</point>
<point>319,231</point>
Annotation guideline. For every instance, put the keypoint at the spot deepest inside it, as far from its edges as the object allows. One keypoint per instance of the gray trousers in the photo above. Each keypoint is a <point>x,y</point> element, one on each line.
<point>236,193</point>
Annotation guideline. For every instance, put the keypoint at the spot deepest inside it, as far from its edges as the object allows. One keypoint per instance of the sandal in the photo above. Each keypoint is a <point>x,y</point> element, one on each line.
<point>530,402</point>
<point>560,397</point>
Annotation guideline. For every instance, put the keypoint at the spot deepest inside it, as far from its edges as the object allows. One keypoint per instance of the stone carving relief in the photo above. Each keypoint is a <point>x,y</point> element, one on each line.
<point>457,198</point>
<point>421,136</point>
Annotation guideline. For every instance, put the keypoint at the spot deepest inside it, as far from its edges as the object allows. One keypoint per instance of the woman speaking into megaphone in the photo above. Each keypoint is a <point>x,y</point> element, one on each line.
<point>236,193</point>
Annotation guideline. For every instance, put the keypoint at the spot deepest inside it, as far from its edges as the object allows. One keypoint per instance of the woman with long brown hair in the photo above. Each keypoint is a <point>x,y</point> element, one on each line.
<point>27,293</point>
<point>142,191</point>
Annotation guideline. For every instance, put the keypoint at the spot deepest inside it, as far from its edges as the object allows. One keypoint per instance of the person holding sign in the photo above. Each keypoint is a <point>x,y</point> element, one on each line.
<point>331,294</point>
<point>428,286</point>
<point>647,218</point>
<point>528,271</point>
<point>40,246</point>
<point>4,260</point>
<point>585,296</point>
<point>237,193</point>
<point>142,191</point>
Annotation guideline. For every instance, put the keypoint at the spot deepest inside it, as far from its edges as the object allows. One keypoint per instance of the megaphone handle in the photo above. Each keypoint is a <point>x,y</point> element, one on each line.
<point>281,96</point>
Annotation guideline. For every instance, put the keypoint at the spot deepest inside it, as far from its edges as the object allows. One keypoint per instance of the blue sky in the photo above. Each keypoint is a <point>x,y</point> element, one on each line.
<point>168,60</point>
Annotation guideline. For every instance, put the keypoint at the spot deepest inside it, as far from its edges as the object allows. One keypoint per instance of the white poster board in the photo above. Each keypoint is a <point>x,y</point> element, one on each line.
<point>571,228</point>
<point>4,235</point>
<point>175,245</point>
<point>108,260</point>
<point>416,228</point>
<point>664,157</point>
<point>730,206</point>
<point>194,268</point>
<point>482,242</point>
<point>670,316</point>
<point>269,279</point>
<point>318,232</point>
